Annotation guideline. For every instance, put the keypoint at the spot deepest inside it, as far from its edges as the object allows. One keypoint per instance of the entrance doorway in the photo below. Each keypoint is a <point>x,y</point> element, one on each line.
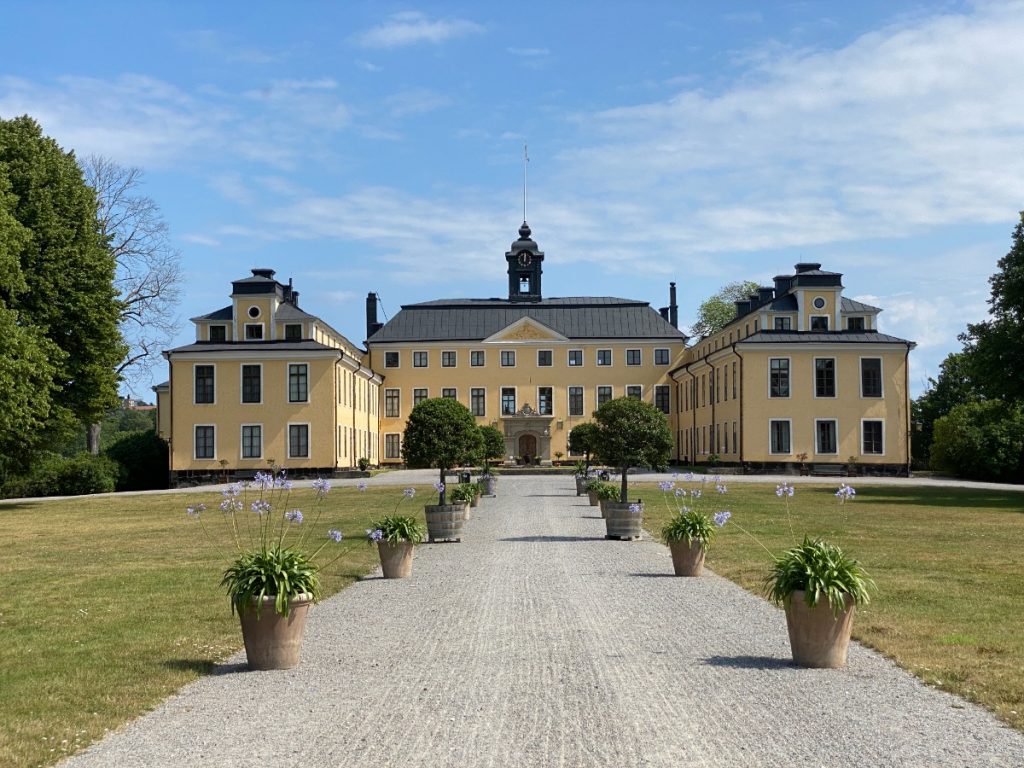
<point>528,447</point>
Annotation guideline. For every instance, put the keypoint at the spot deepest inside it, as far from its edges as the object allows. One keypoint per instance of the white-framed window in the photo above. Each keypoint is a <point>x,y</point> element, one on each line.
<point>419,395</point>
<point>252,383</point>
<point>392,403</point>
<point>204,390</point>
<point>871,377</point>
<point>604,357</point>
<point>575,401</point>
<point>254,312</point>
<point>420,359</point>
<point>205,442</point>
<point>662,356</point>
<point>662,398</point>
<point>391,360</point>
<point>508,401</point>
<point>824,377</point>
<point>448,359</point>
<point>298,441</point>
<point>779,436</point>
<point>819,322</point>
<point>544,358</point>
<point>298,383</point>
<point>575,358</point>
<point>545,405</point>
<point>634,390</point>
<point>392,445</point>
<point>252,441</point>
<point>872,437</point>
<point>477,358</point>
<point>508,358</point>
<point>778,377</point>
<point>604,394</point>
<point>478,401</point>
<point>826,436</point>
<point>633,357</point>
<point>254,331</point>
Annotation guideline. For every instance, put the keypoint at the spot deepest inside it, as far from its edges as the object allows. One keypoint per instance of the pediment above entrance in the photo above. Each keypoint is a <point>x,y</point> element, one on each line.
<point>525,329</point>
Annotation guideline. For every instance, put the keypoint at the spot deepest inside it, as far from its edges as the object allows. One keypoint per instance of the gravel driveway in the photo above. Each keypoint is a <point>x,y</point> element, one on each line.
<point>536,642</point>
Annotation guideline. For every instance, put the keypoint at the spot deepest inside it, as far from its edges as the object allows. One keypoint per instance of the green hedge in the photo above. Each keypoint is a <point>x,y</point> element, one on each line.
<point>54,475</point>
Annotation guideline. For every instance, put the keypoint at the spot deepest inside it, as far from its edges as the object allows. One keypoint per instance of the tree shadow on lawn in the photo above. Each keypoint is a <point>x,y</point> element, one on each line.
<point>553,538</point>
<point>1011,501</point>
<point>749,662</point>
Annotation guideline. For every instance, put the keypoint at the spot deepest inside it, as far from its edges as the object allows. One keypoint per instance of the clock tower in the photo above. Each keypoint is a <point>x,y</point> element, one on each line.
<point>524,267</point>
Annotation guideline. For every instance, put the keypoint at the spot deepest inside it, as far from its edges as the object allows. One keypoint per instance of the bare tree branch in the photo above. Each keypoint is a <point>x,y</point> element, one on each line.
<point>148,267</point>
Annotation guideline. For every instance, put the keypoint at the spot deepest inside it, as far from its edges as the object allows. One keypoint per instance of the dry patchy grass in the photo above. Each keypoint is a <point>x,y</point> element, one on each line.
<point>947,563</point>
<point>111,604</point>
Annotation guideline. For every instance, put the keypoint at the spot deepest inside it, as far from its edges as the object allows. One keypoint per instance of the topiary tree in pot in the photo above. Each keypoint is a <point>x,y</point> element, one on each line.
<point>493,443</point>
<point>442,433</point>
<point>631,433</point>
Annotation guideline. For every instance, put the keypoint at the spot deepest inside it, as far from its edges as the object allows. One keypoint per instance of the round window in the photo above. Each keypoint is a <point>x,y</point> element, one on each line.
<point>255,311</point>
<point>819,303</point>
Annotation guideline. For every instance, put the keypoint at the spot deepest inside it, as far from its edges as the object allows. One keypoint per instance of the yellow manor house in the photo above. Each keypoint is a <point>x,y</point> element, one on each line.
<point>801,376</point>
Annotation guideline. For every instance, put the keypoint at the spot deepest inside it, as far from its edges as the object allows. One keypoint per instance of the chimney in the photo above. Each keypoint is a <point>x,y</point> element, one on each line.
<point>742,308</point>
<point>782,284</point>
<point>664,313</point>
<point>806,266</point>
<point>372,326</point>
<point>765,295</point>
<point>288,291</point>
<point>295,299</point>
<point>673,309</point>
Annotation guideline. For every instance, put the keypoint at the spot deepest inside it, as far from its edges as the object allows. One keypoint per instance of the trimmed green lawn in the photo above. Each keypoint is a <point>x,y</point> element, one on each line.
<point>112,604</point>
<point>948,562</point>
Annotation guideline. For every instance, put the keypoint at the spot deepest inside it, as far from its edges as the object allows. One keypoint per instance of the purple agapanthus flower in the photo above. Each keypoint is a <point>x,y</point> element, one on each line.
<point>720,487</point>
<point>688,477</point>
<point>409,492</point>
<point>680,493</point>
<point>230,505</point>
<point>845,493</point>
<point>785,489</point>
<point>334,534</point>
<point>260,506</point>
<point>722,517</point>
<point>375,534</point>
<point>695,493</point>
<point>361,485</point>
<point>439,487</point>
<point>264,480</point>
<point>666,485</point>
<point>293,516</point>
<point>635,508</point>
<point>195,510</point>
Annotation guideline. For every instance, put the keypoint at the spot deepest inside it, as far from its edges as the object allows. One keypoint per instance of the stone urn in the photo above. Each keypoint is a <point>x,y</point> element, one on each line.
<point>273,641</point>
<point>818,636</point>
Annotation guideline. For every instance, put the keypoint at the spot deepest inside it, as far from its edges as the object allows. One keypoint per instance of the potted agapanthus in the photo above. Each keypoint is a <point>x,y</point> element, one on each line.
<point>689,531</point>
<point>396,537</point>
<point>820,587</point>
<point>275,575</point>
<point>464,493</point>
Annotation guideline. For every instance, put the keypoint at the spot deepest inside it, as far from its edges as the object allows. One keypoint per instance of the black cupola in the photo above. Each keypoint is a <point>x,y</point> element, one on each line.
<point>524,267</point>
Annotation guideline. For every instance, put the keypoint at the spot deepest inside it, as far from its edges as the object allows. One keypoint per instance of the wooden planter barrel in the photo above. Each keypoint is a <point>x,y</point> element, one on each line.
<point>445,521</point>
<point>620,522</point>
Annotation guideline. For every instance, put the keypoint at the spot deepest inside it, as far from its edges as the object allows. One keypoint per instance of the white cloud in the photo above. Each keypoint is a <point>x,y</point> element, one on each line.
<point>198,239</point>
<point>412,27</point>
<point>415,101</point>
<point>216,44</point>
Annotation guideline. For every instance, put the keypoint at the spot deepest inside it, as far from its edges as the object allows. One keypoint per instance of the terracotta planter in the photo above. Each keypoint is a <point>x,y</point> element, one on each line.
<point>687,559</point>
<point>593,498</point>
<point>600,505</point>
<point>273,641</point>
<point>817,637</point>
<point>620,522</point>
<point>445,521</point>
<point>396,559</point>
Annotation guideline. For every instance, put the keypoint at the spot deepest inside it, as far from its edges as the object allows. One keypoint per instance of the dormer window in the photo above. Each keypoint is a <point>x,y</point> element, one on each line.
<point>254,331</point>
<point>819,322</point>
<point>293,332</point>
<point>218,333</point>
<point>855,323</point>
<point>783,324</point>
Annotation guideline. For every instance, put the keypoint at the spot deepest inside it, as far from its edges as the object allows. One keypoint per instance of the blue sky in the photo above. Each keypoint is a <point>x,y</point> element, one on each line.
<point>379,146</point>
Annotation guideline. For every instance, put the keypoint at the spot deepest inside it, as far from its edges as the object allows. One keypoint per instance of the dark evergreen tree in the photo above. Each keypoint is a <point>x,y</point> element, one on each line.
<point>57,284</point>
<point>954,386</point>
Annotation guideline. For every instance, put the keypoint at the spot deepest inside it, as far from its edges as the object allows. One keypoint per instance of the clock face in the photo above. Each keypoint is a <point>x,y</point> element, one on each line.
<point>525,259</point>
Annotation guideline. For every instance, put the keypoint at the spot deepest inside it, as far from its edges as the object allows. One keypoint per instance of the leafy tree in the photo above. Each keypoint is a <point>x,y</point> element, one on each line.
<point>57,285</point>
<point>996,346</point>
<point>631,433</point>
<point>718,310</point>
<point>581,440</point>
<point>955,385</point>
<point>981,441</point>
<point>493,442</point>
<point>442,433</point>
<point>143,458</point>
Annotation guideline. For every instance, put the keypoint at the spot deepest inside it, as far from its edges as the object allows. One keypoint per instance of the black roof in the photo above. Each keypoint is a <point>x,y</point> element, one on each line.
<point>823,337</point>
<point>849,305</point>
<point>224,313</point>
<point>575,317</point>
<point>233,346</point>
